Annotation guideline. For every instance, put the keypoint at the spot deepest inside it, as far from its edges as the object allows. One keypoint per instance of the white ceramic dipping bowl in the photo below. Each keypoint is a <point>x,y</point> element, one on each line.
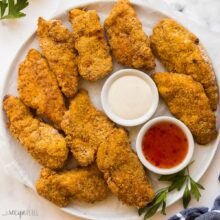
<point>113,116</point>
<point>150,166</point>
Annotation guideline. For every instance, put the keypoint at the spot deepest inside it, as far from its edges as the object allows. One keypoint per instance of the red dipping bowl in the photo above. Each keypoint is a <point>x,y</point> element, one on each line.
<point>165,145</point>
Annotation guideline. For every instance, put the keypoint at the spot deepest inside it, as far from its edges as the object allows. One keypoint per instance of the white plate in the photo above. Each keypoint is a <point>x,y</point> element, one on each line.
<point>111,208</point>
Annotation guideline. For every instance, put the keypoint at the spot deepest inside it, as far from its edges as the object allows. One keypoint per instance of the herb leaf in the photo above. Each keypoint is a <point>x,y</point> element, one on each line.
<point>158,201</point>
<point>200,186</point>
<point>151,211</point>
<point>3,6</point>
<point>195,189</point>
<point>142,210</point>
<point>186,197</point>
<point>14,8</point>
<point>163,211</point>
<point>21,4</point>
<point>177,182</point>
<point>172,177</point>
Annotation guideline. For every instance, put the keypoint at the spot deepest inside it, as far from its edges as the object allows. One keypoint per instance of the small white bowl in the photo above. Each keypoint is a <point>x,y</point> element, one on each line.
<point>150,166</point>
<point>116,118</point>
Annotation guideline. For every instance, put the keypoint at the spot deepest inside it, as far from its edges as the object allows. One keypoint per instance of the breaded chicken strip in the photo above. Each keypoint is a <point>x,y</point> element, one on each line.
<point>180,51</point>
<point>42,141</point>
<point>129,44</point>
<point>57,46</point>
<point>123,171</point>
<point>61,188</point>
<point>86,128</point>
<point>38,88</point>
<point>188,102</point>
<point>94,61</point>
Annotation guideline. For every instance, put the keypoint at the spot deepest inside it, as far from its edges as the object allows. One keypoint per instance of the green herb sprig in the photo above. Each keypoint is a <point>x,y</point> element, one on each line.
<point>13,9</point>
<point>177,182</point>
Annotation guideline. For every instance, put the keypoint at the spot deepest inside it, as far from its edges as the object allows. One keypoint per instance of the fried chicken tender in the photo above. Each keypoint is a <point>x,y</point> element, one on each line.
<point>180,51</point>
<point>188,102</point>
<point>38,88</point>
<point>94,61</point>
<point>57,44</point>
<point>86,128</point>
<point>123,171</point>
<point>129,44</point>
<point>42,141</point>
<point>89,130</point>
<point>61,188</point>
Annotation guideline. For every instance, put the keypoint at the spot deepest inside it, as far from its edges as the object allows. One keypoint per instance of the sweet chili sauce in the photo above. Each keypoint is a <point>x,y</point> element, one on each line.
<point>165,145</point>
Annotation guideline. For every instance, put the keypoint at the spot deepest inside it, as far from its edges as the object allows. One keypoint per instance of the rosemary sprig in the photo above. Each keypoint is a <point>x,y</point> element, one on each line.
<point>177,182</point>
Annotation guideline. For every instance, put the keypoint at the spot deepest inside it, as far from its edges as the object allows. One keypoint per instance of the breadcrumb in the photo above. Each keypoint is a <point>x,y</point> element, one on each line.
<point>130,45</point>
<point>42,141</point>
<point>57,44</point>
<point>83,184</point>
<point>94,61</point>
<point>86,128</point>
<point>38,88</point>
<point>123,171</point>
<point>181,52</point>
<point>188,102</point>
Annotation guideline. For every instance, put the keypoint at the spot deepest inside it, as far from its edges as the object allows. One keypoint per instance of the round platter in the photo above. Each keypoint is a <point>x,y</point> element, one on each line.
<point>110,208</point>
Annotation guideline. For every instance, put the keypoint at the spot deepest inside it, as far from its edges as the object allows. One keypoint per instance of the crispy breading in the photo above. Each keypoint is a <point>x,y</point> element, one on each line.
<point>42,141</point>
<point>38,88</point>
<point>89,130</point>
<point>180,51</point>
<point>123,171</point>
<point>129,44</point>
<point>94,61</point>
<point>86,128</point>
<point>57,44</point>
<point>188,102</point>
<point>61,188</point>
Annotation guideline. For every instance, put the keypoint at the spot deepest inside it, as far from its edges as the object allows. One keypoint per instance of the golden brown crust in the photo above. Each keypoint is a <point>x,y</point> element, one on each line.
<point>42,141</point>
<point>94,61</point>
<point>123,171</point>
<point>129,44</point>
<point>88,130</point>
<point>188,102</point>
<point>61,188</point>
<point>180,51</point>
<point>85,127</point>
<point>38,88</point>
<point>57,46</point>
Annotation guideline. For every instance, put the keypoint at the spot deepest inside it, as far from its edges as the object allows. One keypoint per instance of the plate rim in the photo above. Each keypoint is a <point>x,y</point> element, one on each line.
<point>60,14</point>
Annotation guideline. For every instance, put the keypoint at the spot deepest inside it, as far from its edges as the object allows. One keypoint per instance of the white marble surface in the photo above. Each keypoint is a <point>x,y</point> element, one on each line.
<point>204,12</point>
<point>15,196</point>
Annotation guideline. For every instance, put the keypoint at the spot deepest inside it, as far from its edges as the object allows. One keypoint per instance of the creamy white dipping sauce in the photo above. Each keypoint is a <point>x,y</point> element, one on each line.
<point>130,97</point>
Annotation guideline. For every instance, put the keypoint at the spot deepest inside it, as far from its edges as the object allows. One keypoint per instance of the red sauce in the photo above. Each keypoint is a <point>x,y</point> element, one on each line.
<point>165,145</point>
